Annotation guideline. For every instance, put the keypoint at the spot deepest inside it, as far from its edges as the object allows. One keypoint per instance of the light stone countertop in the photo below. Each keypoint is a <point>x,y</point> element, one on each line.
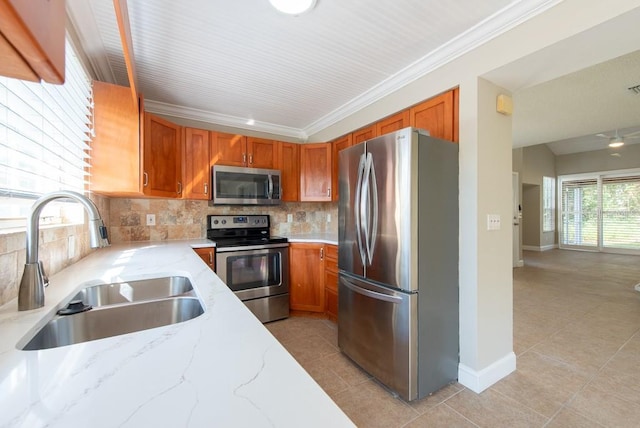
<point>325,238</point>
<point>222,368</point>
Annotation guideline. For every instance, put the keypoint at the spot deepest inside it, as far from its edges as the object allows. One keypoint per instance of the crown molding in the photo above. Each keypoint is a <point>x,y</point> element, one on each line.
<point>491,27</point>
<point>183,112</point>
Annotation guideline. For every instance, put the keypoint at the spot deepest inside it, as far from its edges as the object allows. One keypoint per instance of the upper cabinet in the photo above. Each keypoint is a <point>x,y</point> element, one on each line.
<point>262,153</point>
<point>436,115</point>
<point>32,39</point>
<point>195,164</point>
<point>116,156</point>
<point>162,157</point>
<point>364,134</point>
<point>338,145</point>
<point>393,123</point>
<point>315,172</point>
<point>238,150</point>
<point>289,167</point>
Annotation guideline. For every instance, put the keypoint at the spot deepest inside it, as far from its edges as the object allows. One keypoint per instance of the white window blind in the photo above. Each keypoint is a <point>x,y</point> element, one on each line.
<point>45,131</point>
<point>621,212</point>
<point>548,204</point>
<point>580,212</point>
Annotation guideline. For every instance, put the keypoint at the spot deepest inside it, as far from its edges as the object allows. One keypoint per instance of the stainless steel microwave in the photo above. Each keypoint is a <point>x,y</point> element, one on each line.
<point>233,185</point>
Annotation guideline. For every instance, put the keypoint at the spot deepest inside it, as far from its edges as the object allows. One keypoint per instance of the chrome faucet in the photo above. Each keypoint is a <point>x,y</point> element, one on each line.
<point>31,292</point>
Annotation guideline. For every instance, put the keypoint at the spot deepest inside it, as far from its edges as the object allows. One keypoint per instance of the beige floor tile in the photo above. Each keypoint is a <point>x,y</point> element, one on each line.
<point>344,368</point>
<point>627,359</point>
<point>570,419</point>
<point>441,416</point>
<point>492,409</point>
<point>541,383</point>
<point>327,379</point>
<point>622,384</point>
<point>606,409</point>
<point>370,405</point>
<point>309,348</point>
<point>440,396</point>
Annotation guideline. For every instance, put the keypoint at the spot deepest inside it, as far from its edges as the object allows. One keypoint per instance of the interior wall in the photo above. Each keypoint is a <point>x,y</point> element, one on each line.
<point>538,162</point>
<point>599,160</point>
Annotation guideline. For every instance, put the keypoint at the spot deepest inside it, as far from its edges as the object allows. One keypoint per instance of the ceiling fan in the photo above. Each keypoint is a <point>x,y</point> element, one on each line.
<point>617,140</point>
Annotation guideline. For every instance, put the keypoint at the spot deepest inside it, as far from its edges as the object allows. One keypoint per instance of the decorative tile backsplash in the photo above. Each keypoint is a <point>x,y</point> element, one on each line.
<point>178,219</point>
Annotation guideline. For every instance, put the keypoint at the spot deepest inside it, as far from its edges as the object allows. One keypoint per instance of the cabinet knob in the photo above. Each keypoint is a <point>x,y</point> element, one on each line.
<point>206,189</point>
<point>322,253</point>
<point>244,158</point>
<point>145,182</point>
<point>251,159</point>
<point>328,192</point>
<point>179,188</point>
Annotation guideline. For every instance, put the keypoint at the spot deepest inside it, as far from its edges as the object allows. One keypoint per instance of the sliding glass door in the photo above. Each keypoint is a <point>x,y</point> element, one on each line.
<point>600,212</point>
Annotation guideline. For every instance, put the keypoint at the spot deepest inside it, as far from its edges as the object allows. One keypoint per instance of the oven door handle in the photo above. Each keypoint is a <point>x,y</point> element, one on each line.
<point>250,247</point>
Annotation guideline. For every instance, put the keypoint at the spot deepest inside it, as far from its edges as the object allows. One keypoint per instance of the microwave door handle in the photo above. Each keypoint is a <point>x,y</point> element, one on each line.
<point>357,207</point>
<point>270,190</point>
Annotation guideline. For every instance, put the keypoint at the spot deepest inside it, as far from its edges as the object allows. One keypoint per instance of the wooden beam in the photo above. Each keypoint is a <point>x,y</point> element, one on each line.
<point>122,16</point>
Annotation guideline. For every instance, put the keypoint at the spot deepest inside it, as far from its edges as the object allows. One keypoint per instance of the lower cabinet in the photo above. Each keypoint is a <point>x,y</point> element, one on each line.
<point>306,277</point>
<point>208,254</point>
<point>331,281</point>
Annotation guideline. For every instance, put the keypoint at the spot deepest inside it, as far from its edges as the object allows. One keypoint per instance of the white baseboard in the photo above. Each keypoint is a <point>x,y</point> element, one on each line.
<point>543,248</point>
<point>478,381</point>
<point>519,263</point>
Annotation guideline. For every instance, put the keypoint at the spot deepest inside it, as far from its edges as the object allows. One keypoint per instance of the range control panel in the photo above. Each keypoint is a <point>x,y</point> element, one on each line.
<point>237,221</point>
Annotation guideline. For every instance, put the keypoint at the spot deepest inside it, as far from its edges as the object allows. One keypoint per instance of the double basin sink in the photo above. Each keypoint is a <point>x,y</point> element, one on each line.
<point>120,308</point>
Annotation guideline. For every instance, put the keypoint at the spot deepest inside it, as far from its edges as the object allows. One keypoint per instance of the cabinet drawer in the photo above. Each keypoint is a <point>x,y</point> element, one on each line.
<point>331,252</point>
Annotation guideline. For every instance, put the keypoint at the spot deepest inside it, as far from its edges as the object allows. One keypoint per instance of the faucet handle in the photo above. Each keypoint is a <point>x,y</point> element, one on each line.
<point>45,278</point>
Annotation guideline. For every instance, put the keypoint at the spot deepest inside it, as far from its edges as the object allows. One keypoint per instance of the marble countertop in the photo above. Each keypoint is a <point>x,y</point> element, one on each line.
<point>325,238</point>
<point>222,368</point>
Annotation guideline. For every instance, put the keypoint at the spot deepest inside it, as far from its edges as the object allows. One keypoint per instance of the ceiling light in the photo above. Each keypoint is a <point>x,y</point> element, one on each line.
<point>293,7</point>
<point>616,142</point>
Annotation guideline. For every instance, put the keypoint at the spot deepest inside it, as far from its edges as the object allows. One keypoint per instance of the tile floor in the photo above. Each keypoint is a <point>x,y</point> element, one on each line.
<point>577,341</point>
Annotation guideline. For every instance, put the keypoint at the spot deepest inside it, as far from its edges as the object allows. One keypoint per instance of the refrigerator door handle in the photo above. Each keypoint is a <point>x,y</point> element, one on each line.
<point>372,294</point>
<point>358,207</point>
<point>373,223</point>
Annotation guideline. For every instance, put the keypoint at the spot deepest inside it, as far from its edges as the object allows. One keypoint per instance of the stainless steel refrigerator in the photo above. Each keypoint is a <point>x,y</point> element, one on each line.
<point>398,260</point>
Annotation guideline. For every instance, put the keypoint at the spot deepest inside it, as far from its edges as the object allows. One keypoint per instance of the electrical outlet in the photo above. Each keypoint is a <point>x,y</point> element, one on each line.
<point>493,221</point>
<point>151,219</point>
<point>289,218</point>
<point>329,218</point>
<point>71,247</point>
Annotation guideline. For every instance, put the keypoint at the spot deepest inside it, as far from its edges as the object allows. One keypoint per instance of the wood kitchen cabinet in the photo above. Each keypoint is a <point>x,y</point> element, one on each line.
<point>238,150</point>
<point>315,172</point>
<point>197,171</point>
<point>338,145</point>
<point>289,166</point>
<point>393,123</point>
<point>162,157</point>
<point>116,152</point>
<point>208,255</point>
<point>306,277</point>
<point>436,115</point>
<point>363,134</point>
<point>331,281</point>
<point>32,39</point>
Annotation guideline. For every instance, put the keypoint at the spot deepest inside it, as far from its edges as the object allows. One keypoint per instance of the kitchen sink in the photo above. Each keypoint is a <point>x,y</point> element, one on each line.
<point>108,321</point>
<point>134,291</point>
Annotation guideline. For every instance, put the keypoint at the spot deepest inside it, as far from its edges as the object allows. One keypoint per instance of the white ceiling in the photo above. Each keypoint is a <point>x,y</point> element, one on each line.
<point>228,62</point>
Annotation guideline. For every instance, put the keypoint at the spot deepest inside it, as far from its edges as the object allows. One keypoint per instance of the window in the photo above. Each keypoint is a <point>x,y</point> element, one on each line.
<point>548,204</point>
<point>601,212</point>
<point>44,134</point>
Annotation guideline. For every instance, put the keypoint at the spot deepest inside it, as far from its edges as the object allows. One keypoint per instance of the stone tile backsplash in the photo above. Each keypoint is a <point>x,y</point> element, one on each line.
<point>178,219</point>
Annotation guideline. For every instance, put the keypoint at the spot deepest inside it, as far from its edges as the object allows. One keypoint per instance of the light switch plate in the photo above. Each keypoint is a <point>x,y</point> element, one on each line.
<point>289,218</point>
<point>493,221</point>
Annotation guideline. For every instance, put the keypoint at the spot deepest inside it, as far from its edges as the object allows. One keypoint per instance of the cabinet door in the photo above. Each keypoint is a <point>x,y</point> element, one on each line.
<point>363,134</point>
<point>32,39</point>
<point>116,159</point>
<point>197,171</point>
<point>331,281</point>
<point>262,153</point>
<point>290,171</point>
<point>338,144</point>
<point>393,123</point>
<point>208,255</point>
<point>306,275</point>
<point>162,158</point>
<point>435,115</point>
<point>228,149</point>
<point>315,172</point>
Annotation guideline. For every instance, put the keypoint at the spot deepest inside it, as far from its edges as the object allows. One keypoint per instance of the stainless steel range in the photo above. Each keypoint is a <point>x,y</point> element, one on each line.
<point>252,263</point>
